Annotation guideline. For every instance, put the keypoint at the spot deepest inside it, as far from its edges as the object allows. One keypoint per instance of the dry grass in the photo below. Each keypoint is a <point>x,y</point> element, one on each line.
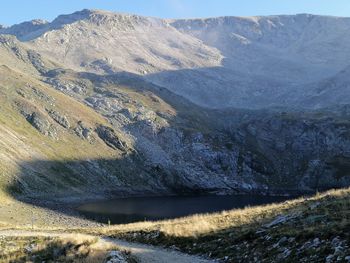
<point>63,248</point>
<point>40,249</point>
<point>73,249</point>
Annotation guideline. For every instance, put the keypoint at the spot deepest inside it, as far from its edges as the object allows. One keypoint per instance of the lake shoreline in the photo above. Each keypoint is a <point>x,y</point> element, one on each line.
<point>68,206</point>
<point>111,195</point>
<point>137,209</point>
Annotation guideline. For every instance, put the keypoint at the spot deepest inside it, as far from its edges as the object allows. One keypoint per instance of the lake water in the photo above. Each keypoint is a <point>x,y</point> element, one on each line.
<point>128,210</point>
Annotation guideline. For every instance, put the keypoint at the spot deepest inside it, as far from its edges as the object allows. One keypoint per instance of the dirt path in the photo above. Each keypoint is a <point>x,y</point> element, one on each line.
<point>144,253</point>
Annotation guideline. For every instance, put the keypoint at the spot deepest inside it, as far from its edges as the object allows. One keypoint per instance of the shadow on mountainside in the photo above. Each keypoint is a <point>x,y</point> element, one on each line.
<point>61,186</point>
<point>72,181</point>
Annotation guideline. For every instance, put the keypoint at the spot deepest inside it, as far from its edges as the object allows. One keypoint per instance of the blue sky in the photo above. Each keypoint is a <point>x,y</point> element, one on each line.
<point>14,11</point>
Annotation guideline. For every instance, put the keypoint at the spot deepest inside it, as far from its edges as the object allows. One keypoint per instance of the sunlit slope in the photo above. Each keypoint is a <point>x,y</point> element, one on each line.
<point>39,124</point>
<point>20,57</point>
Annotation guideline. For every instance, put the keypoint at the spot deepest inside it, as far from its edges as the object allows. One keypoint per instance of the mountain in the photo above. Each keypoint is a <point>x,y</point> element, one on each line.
<point>242,62</point>
<point>22,29</point>
<point>98,104</point>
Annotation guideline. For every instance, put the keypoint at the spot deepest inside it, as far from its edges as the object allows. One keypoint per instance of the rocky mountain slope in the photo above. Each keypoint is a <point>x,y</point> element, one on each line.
<point>100,41</point>
<point>98,103</point>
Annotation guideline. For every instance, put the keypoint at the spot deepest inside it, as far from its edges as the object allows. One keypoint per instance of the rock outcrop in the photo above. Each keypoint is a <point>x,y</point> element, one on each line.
<point>109,136</point>
<point>59,118</point>
<point>40,123</point>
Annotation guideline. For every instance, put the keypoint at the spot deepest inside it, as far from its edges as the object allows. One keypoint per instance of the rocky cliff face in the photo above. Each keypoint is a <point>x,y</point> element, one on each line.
<point>304,151</point>
<point>123,104</point>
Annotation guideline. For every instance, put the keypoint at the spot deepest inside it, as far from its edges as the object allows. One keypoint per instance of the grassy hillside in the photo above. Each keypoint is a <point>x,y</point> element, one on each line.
<point>53,134</point>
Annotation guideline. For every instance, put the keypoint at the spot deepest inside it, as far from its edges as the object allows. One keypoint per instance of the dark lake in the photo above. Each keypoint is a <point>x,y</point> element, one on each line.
<point>128,210</point>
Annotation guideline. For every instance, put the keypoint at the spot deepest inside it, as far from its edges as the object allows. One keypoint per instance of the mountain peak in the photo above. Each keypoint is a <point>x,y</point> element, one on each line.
<point>38,22</point>
<point>23,29</point>
<point>95,16</point>
<point>71,18</point>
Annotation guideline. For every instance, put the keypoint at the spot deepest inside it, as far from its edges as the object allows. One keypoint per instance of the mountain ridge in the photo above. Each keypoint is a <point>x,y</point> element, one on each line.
<point>88,12</point>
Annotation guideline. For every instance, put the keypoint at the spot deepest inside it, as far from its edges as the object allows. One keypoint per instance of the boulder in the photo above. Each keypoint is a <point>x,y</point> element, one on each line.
<point>109,136</point>
<point>84,132</point>
<point>59,118</point>
<point>39,122</point>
